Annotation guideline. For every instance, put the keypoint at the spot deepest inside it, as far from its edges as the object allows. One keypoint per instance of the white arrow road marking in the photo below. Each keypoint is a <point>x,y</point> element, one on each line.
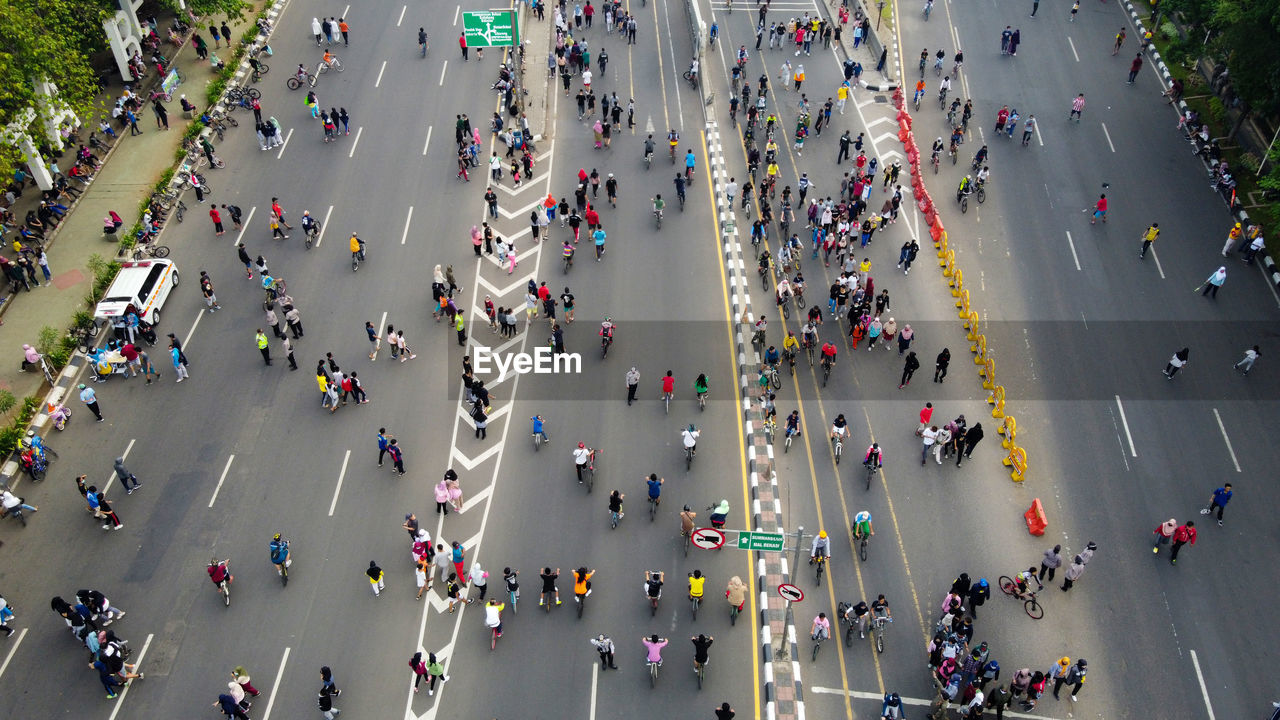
<point>520,213</point>
<point>469,463</point>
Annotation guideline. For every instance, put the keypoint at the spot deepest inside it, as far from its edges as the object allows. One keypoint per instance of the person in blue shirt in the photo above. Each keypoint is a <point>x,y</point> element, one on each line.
<point>538,428</point>
<point>1219,501</point>
<point>771,356</point>
<point>793,423</point>
<point>655,487</point>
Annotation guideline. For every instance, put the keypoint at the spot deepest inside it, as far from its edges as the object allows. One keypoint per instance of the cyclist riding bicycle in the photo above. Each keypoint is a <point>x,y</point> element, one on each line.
<point>821,629</point>
<point>279,548</point>
<point>689,162</point>
<point>582,583</point>
<point>839,427</point>
<point>539,428</point>
<point>648,147</point>
<point>793,423</point>
<point>653,649</point>
<point>821,547</point>
<point>937,147</point>
<point>696,583</point>
<point>980,157</point>
<point>301,73</point>
<point>945,87</point>
<point>790,345</point>
<point>567,251</point>
<point>828,354</point>
<point>771,357</point>
<point>858,615</point>
<point>357,247</point>
<point>653,583</point>
<point>810,334</point>
<point>874,456</point>
<point>982,176</point>
<point>687,517</point>
<point>862,525</point>
<point>939,57</point>
<point>742,55</point>
<point>329,58</point>
<point>655,487</point>
<point>220,570</point>
<point>679,181</point>
<point>668,385</point>
<point>673,138</point>
<point>714,32</point>
<point>880,608</point>
<point>658,205</point>
<point>1022,582</point>
<point>701,645</point>
<point>701,386</point>
<point>690,437</point>
<point>966,187</point>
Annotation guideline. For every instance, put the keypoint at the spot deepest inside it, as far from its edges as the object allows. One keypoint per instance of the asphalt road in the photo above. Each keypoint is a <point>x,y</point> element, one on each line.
<point>242,450</point>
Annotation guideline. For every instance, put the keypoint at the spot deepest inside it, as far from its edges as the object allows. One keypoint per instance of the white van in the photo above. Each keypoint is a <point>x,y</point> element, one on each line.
<point>141,287</point>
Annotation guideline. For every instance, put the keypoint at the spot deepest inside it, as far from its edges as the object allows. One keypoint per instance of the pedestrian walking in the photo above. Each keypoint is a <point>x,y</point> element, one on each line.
<point>406,353</point>
<point>345,30</point>
<point>90,399</point>
<point>972,437</point>
<point>1214,282</point>
<point>226,702</point>
<point>288,351</point>
<point>327,683</point>
<point>1164,533</point>
<point>397,456</point>
<point>1176,363</point>
<point>940,366</point>
<point>241,676</point>
<point>104,511</point>
<point>179,364</point>
<point>435,668</point>
<point>604,646</point>
<point>479,579</point>
<point>384,444</point>
<point>375,575</point>
<point>1149,237</point>
<point>1051,562</point>
<point>908,369</point>
<point>1218,501</point>
<point>454,591</point>
<point>1074,678</point>
<point>325,703</point>
<point>1134,67</point>
<point>237,693</point>
<point>455,490</point>
<point>294,320</point>
<point>1073,572</point>
<point>126,477</point>
<point>263,348</point>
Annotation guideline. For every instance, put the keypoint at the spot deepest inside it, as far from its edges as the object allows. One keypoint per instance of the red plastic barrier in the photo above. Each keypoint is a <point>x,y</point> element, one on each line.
<point>1036,521</point>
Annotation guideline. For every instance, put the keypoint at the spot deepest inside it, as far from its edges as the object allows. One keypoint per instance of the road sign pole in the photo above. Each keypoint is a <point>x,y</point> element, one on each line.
<point>799,541</point>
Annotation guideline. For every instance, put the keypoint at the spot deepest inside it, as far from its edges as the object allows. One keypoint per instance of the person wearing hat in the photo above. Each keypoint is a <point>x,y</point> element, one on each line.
<point>979,593</point>
<point>891,708</point>
<point>1058,674</point>
<point>90,399</point>
<point>611,188</point>
<point>1075,678</point>
<point>821,547</point>
<point>604,645</point>
<point>1164,533</point>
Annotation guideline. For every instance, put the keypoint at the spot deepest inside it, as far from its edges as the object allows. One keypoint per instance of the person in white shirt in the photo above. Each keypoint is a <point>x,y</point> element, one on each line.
<point>940,442</point>
<point>690,437</point>
<point>581,455</point>
<point>493,615</point>
<point>929,437</point>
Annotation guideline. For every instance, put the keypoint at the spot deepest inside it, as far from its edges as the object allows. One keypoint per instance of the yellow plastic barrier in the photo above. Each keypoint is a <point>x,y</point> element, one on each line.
<point>963,302</point>
<point>979,349</point>
<point>949,264</point>
<point>957,283</point>
<point>971,322</point>
<point>1017,462</point>
<point>988,372</point>
<point>1009,429</point>
<point>996,398</point>
<point>942,245</point>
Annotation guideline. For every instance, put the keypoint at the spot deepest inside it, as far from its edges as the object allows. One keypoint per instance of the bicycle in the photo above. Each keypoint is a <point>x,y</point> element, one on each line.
<point>614,517</point>
<point>964,203</point>
<point>818,564</point>
<point>771,372</point>
<point>224,587</point>
<point>808,348</point>
<point>589,471</point>
<point>700,667</point>
<point>842,609</point>
<point>537,441</point>
<point>493,638</point>
<point>817,644</point>
<point>693,79</point>
<point>942,98</point>
<point>283,570</point>
<point>657,216</point>
<point>826,370</point>
<point>688,459</point>
<point>837,446</point>
<point>1034,610</point>
<point>694,603</point>
<point>180,211</point>
<point>878,624</point>
<point>666,403</point>
<point>324,67</point>
<point>981,193</point>
<point>295,82</point>
<point>653,672</point>
<point>357,257</point>
<point>871,471</point>
<point>702,401</point>
<point>149,250</point>
<point>581,602</point>
<point>770,429</point>
<point>790,434</point>
<point>935,162</point>
<point>862,538</point>
<point>512,597</point>
<point>261,70</point>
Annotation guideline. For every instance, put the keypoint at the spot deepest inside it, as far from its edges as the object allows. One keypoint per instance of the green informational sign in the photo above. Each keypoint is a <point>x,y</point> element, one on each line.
<point>767,542</point>
<point>491,28</point>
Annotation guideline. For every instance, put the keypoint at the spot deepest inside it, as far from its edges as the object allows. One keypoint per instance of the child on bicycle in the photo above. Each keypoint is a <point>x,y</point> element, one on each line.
<point>1022,580</point>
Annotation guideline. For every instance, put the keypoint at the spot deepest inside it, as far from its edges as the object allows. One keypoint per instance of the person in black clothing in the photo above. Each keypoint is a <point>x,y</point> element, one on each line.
<point>971,438</point>
<point>908,369</point>
<point>940,369</point>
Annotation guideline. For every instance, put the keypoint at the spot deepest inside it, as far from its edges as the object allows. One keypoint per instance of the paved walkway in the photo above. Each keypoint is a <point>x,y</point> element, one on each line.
<point>129,170</point>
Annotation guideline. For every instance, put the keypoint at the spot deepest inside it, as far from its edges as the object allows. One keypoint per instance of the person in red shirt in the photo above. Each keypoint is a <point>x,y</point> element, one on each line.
<point>668,385</point>
<point>279,211</point>
<point>462,44</point>
<point>1100,210</point>
<point>592,217</point>
<point>1183,535</point>
<point>926,414</point>
<point>216,217</point>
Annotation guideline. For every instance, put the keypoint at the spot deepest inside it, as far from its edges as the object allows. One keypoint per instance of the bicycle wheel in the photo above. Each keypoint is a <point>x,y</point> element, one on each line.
<point>653,509</point>
<point>982,194</point>
<point>1007,585</point>
<point>880,639</point>
<point>159,251</point>
<point>848,636</point>
<point>862,549</point>
<point>590,475</point>
<point>292,83</point>
<point>226,593</point>
<point>653,674</point>
<point>284,576</point>
<point>581,604</point>
<point>218,162</point>
<point>775,379</point>
<point>1033,609</point>
<point>263,69</point>
<point>817,579</point>
<point>338,66</point>
<point>253,92</point>
<point>964,204</point>
<point>695,602</point>
<point>839,451</point>
<point>686,544</point>
<point>511,599</point>
<point>826,373</point>
<point>702,669</point>
<point>816,644</point>
<point>733,614</point>
<point>311,80</point>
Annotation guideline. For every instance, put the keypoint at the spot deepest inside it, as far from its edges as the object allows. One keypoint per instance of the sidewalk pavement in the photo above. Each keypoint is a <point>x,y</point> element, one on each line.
<point>126,175</point>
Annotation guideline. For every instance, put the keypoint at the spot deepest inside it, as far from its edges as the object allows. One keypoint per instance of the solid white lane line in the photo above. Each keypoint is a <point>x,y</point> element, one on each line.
<point>324,226</point>
<point>192,331</point>
<point>357,142</point>
<point>595,677</point>
<point>406,7</point>
<point>427,144</point>
<point>23,633</point>
<point>285,144</point>
<point>221,478</point>
<point>1204,692</point>
<point>1161,268</point>
<point>115,710</point>
<point>1230,450</point>
<point>1073,250</point>
<point>877,697</point>
<point>378,82</point>
<point>1124,421</point>
<point>275,686</point>
<point>405,235</point>
<point>245,226</point>
<point>1109,143</point>
<point>443,68</point>
<point>456,11</point>
<point>342,474</point>
<point>1270,286</point>
<point>1074,54</point>
<point>345,11</point>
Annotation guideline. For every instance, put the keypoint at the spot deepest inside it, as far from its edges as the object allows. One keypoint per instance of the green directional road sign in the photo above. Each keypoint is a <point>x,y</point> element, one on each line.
<point>491,28</point>
<point>767,542</point>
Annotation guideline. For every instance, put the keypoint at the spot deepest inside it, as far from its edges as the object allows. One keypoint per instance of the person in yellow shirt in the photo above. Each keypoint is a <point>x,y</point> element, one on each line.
<point>581,582</point>
<point>842,95</point>
<point>696,583</point>
<point>1149,237</point>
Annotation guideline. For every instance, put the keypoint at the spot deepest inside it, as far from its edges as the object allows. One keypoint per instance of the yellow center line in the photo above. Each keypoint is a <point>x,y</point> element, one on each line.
<point>737,396</point>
